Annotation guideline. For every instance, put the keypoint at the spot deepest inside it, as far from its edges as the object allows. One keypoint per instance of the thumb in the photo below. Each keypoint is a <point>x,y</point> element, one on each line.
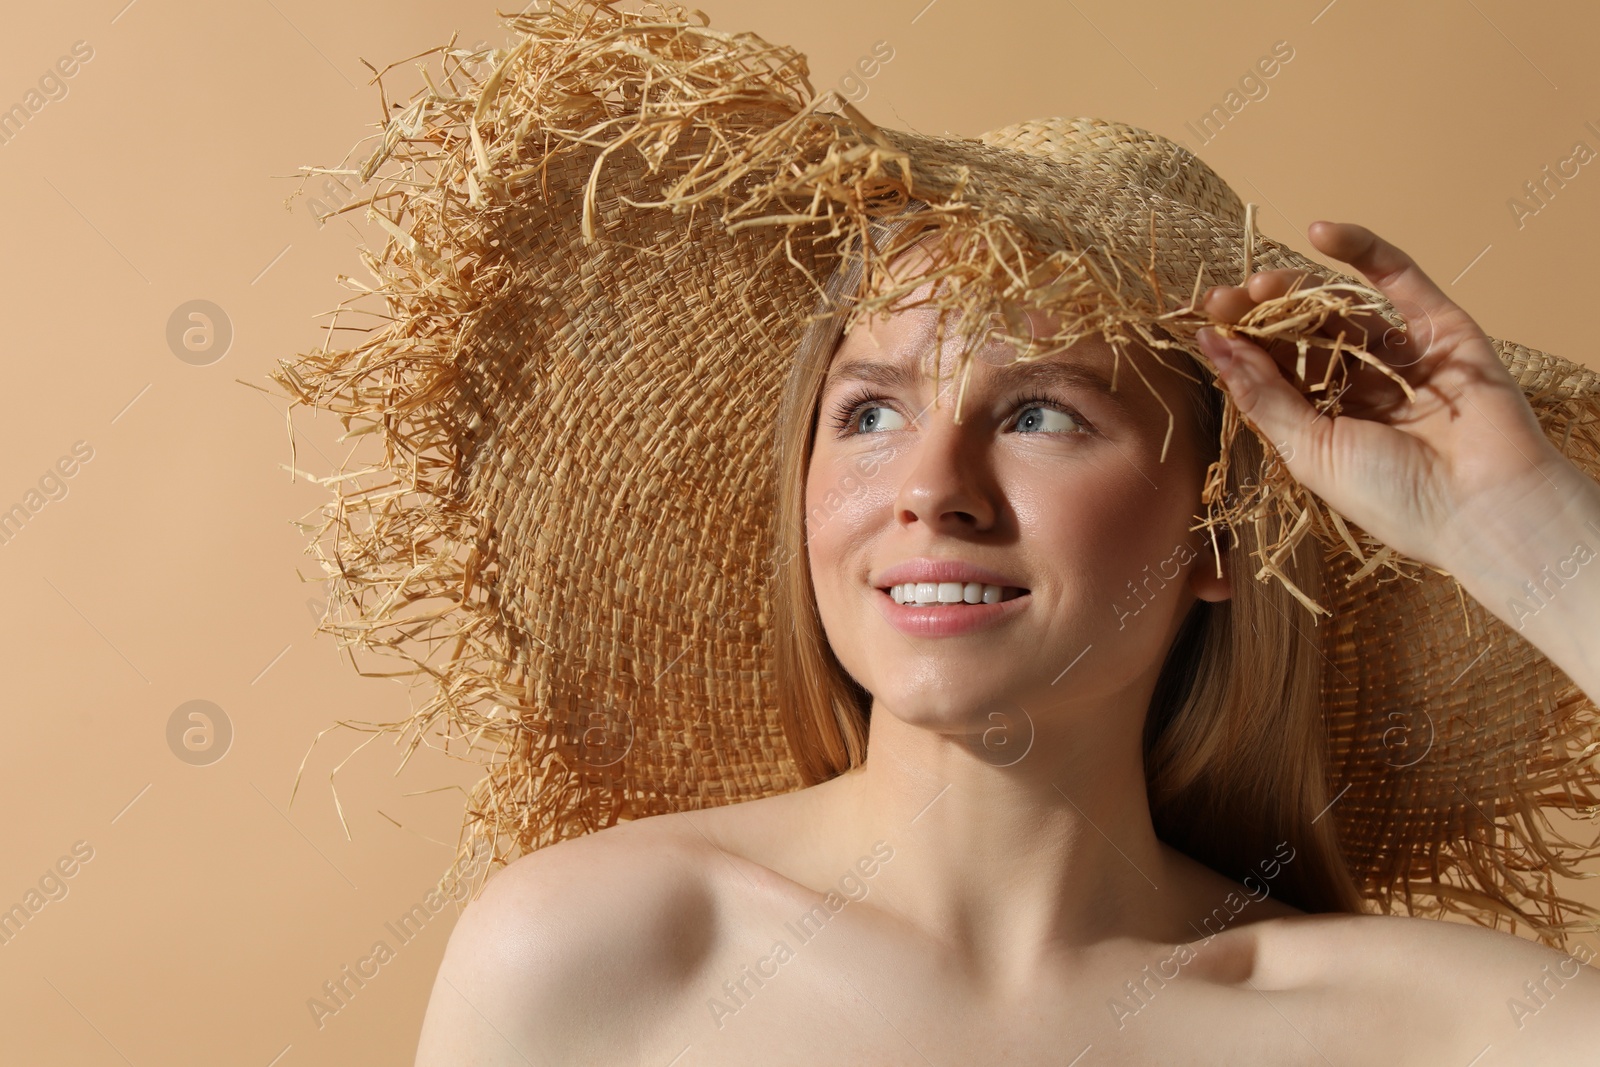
<point>1262,394</point>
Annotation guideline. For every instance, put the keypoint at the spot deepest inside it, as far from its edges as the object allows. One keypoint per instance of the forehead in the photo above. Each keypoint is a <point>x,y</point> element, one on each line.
<point>901,349</point>
<point>929,340</point>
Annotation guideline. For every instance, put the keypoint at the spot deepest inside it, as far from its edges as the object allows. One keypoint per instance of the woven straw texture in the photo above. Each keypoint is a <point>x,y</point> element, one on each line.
<point>603,245</point>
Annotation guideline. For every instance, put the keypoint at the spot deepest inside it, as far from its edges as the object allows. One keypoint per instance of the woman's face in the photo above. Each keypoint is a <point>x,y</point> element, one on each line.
<point>1051,484</point>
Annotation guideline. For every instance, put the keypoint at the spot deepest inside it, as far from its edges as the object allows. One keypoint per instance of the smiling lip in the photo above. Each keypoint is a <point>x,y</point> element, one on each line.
<point>944,620</point>
<point>928,569</point>
<point>948,620</point>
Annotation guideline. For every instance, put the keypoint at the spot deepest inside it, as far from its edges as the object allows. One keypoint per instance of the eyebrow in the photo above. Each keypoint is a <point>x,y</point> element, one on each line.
<point>1040,373</point>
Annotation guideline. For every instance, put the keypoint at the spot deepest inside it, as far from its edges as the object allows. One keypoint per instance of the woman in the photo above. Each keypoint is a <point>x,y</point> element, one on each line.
<point>1005,894</point>
<point>1096,812</point>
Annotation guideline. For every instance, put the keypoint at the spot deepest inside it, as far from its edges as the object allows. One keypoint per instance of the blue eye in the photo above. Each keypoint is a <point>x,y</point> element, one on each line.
<point>1035,415</point>
<point>1044,407</point>
<point>848,417</point>
<point>871,418</point>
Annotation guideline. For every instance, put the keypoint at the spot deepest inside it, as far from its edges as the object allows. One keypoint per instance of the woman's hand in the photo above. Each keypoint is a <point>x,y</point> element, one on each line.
<point>1422,476</point>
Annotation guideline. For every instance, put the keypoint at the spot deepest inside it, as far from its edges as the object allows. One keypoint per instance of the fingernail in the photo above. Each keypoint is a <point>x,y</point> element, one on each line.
<point>1216,347</point>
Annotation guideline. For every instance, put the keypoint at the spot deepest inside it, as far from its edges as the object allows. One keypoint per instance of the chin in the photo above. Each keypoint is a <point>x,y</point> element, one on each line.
<point>966,706</point>
<point>994,729</point>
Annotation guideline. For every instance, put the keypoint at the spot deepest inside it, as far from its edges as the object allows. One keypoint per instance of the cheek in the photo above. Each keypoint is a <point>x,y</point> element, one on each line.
<point>828,503</point>
<point>849,501</point>
<point>1101,525</point>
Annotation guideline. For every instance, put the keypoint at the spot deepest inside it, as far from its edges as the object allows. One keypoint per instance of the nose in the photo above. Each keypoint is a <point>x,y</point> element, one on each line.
<point>950,485</point>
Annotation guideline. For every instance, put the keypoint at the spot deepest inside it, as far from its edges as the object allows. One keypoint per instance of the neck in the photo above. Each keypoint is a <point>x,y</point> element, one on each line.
<point>1004,863</point>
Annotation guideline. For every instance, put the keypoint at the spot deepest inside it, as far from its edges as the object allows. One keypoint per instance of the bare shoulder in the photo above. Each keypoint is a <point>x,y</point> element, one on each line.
<point>1339,946</point>
<point>614,918</point>
<point>1427,981</point>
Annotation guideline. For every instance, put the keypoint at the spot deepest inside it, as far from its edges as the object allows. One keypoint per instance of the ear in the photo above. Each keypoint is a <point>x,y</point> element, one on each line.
<point>1203,580</point>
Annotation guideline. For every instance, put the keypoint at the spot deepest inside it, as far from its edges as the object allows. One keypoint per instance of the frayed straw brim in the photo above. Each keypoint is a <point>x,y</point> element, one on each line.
<point>603,245</point>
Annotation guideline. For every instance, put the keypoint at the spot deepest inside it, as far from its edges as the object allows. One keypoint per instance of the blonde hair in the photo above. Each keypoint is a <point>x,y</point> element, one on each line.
<point>1234,751</point>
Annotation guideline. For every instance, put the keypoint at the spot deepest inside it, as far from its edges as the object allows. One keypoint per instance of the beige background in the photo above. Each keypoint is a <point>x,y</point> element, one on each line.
<point>211,909</point>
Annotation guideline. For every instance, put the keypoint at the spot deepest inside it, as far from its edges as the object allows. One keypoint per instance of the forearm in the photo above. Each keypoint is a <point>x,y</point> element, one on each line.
<point>1537,567</point>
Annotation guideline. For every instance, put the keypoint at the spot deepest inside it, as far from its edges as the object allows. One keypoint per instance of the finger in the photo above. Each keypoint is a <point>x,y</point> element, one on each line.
<point>1364,329</point>
<point>1227,303</point>
<point>1265,397</point>
<point>1270,284</point>
<point>1369,391</point>
<point>1258,288</point>
<point>1230,303</point>
<point>1421,303</point>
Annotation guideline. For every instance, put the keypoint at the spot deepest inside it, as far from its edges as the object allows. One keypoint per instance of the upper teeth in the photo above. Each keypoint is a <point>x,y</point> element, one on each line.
<point>951,593</point>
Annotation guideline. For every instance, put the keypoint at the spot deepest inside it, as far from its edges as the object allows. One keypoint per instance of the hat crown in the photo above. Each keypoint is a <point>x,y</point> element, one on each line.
<point>1126,153</point>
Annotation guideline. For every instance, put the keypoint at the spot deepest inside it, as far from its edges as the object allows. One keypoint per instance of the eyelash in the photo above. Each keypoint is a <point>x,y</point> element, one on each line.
<point>846,411</point>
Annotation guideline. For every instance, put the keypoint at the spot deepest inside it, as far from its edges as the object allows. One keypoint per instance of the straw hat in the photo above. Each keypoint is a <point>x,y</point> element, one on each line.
<point>604,243</point>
